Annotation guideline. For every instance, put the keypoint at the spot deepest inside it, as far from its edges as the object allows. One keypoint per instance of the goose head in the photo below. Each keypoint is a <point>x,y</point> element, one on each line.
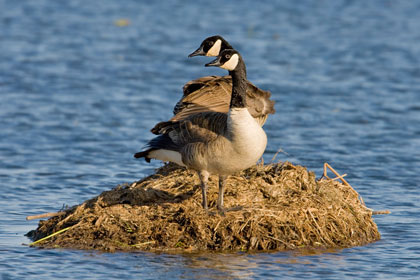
<point>228,59</point>
<point>211,46</point>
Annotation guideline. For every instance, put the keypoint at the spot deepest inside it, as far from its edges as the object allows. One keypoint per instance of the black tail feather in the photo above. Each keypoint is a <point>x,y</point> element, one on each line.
<point>160,142</point>
<point>141,154</point>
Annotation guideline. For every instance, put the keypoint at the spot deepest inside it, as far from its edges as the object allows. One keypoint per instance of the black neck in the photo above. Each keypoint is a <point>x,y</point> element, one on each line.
<point>225,46</point>
<point>239,86</point>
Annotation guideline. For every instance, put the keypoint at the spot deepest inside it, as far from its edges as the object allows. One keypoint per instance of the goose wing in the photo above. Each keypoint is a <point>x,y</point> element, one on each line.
<point>202,127</point>
<point>213,93</point>
<point>205,94</point>
<point>258,101</point>
<point>188,138</point>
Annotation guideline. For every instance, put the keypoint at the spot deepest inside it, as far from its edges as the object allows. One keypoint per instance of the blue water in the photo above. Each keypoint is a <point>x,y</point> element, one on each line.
<point>78,95</point>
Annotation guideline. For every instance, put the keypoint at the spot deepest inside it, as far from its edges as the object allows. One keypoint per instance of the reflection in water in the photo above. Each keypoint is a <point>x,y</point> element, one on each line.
<point>248,265</point>
<point>221,266</point>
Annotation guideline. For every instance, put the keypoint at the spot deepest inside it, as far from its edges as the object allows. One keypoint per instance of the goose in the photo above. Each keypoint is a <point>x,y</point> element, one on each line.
<point>213,142</point>
<point>212,93</point>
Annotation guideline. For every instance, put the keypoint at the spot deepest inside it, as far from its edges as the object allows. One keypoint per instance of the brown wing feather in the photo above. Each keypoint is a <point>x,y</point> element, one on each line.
<point>213,94</point>
<point>203,95</point>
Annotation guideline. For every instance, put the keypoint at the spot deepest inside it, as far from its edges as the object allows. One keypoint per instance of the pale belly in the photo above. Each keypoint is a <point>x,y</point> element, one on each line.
<point>224,165</point>
<point>244,149</point>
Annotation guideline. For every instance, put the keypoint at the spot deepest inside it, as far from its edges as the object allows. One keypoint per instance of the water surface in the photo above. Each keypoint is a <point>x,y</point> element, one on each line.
<point>78,95</point>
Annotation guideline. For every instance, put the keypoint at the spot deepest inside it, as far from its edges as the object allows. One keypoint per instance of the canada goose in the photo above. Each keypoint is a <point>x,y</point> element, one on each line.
<point>213,142</point>
<point>212,93</point>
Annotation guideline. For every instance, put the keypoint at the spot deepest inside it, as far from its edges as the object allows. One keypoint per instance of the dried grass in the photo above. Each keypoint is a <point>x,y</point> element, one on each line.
<point>272,207</point>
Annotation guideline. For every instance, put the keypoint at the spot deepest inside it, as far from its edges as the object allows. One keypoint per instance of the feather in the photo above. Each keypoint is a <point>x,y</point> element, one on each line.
<point>213,93</point>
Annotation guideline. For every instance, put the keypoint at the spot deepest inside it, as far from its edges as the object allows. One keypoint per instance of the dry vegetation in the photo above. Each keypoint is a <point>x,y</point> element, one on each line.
<point>271,207</point>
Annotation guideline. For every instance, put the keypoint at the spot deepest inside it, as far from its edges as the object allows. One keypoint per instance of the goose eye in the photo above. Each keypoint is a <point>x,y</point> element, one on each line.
<point>211,43</point>
<point>227,56</point>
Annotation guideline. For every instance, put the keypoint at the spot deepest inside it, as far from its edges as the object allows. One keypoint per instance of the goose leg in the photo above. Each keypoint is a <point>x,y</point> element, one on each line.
<point>221,192</point>
<point>204,177</point>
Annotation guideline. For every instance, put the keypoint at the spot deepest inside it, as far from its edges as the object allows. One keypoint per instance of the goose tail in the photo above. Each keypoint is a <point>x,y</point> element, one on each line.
<point>162,148</point>
<point>143,154</point>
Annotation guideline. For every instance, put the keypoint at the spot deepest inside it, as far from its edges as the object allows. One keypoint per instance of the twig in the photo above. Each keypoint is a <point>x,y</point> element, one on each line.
<point>325,171</point>
<point>215,228</point>
<point>278,151</point>
<point>340,177</point>
<point>51,235</point>
<point>290,246</point>
<point>381,212</point>
<point>142,244</point>
<point>326,165</point>
<point>45,215</point>
<point>336,174</point>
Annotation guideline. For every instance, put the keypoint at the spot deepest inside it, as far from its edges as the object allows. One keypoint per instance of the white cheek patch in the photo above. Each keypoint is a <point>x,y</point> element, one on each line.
<point>215,49</point>
<point>231,64</point>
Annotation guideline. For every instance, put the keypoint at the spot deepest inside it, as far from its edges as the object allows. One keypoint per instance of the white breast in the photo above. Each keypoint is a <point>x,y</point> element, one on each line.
<point>248,138</point>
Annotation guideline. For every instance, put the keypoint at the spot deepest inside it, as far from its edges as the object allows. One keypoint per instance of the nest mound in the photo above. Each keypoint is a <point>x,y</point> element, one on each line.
<point>269,207</point>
